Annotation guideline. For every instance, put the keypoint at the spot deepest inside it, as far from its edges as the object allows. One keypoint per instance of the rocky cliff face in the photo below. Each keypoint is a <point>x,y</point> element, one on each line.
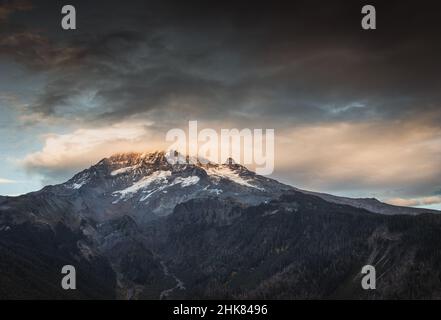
<point>136,226</point>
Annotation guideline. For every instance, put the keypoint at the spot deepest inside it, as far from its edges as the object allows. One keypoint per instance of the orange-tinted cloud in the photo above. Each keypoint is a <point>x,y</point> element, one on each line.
<point>415,202</point>
<point>64,154</point>
<point>4,181</point>
<point>398,159</point>
<point>402,156</point>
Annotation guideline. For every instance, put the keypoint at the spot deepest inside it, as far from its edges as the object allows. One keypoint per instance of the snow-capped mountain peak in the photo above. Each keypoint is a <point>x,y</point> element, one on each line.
<point>148,182</point>
<point>148,185</point>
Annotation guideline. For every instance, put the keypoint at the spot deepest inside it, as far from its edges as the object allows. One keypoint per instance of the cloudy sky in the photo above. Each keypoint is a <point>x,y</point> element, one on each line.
<point>355,112</point>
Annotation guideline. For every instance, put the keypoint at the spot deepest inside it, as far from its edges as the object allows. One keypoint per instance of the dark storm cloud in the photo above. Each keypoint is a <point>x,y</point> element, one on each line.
<point>7,8</point>
<point>361,106</point>
<point>286,61</point>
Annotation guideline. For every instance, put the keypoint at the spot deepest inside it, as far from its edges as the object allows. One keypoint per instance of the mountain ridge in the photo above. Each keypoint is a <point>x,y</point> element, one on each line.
<point>139,227</point>
<point>133,160</point>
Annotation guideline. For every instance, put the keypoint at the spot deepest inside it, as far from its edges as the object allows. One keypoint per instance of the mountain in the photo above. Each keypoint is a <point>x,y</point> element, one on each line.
<point>137,227</point>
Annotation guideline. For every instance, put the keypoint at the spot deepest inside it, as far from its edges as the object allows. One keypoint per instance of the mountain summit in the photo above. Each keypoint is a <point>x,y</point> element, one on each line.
<point>148,186</point>
<point>140,181</point>
<point>137,227</point>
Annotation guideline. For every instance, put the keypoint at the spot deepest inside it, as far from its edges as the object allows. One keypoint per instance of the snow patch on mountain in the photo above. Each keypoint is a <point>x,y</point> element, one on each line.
<point>122,170</point>
<point>216,191</point>
<point>78,183</point>
<point>186,182</point>
<point>157,177</point>
<point>226,172</point>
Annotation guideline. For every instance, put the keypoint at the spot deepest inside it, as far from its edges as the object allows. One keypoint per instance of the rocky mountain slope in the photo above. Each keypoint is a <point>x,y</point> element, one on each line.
<point>137,227</point>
